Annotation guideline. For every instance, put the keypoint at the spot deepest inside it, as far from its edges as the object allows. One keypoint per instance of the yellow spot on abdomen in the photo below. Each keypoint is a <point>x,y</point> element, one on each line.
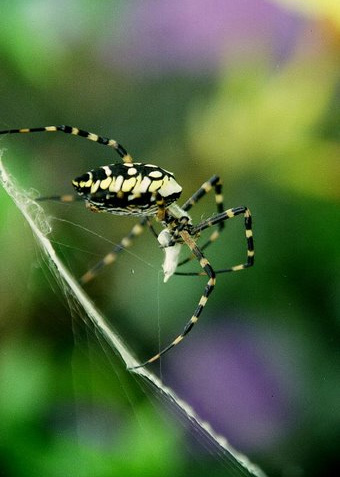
<point>95,186</point>
<point>155,185</point>
<point>104,184</point>
<point>128,184</point>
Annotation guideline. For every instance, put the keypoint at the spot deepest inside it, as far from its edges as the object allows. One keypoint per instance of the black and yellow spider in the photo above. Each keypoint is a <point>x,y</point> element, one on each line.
<point>146,190</point>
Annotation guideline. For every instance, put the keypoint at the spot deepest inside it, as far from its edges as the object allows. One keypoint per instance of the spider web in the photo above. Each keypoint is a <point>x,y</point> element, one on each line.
<point>237,463</point>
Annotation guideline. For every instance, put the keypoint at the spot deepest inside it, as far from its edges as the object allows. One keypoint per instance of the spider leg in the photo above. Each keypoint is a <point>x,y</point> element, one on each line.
<point>126,242</point>
<point>206,187</point>
<point>111,257</point>
<point>60,198</point>
<point>76,132</point>
<point>226,215</point>
<point>160,208</point>
<point>208,270</point>
<point>213,183</point>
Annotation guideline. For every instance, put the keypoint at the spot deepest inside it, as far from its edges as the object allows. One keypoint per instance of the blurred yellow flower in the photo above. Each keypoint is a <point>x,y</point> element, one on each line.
<point>268,125</point>
<point>327,9</point>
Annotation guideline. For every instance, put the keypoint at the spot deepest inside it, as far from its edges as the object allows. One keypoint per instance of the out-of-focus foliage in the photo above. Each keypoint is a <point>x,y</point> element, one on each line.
<point>248,90</point>
<point>270,121</point>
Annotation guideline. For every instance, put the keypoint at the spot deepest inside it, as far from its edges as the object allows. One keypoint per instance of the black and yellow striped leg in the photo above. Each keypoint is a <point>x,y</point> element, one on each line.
<point>76,132</point>
<point>111,257</point>
<point>179,225</point>
<point>226,215</point>
<point>208,270</point>
<point>60,198</point>
<point>160,208</point>
<point>213,183</point>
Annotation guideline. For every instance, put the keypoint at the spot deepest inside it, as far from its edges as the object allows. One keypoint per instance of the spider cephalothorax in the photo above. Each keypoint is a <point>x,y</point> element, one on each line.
<point>146,190</point>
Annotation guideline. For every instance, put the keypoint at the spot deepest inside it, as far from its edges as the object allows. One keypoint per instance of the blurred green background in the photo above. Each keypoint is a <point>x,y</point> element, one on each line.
<point>248,90</point>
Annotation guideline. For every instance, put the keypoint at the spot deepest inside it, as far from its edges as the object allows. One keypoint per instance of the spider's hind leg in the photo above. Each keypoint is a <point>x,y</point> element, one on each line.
<point>60,198</point>
<point>111,257</point>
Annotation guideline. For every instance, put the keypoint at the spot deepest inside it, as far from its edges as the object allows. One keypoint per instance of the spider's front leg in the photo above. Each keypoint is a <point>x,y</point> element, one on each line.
<point>119,247</point>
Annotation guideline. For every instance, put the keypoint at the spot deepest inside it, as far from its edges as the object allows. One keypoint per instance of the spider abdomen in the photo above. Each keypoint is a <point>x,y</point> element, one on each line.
<point>127,188</point>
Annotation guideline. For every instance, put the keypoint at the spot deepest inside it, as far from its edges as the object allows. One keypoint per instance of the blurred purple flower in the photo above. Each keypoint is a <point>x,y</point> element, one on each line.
<point>198,34</point>
<point>240,379</point>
